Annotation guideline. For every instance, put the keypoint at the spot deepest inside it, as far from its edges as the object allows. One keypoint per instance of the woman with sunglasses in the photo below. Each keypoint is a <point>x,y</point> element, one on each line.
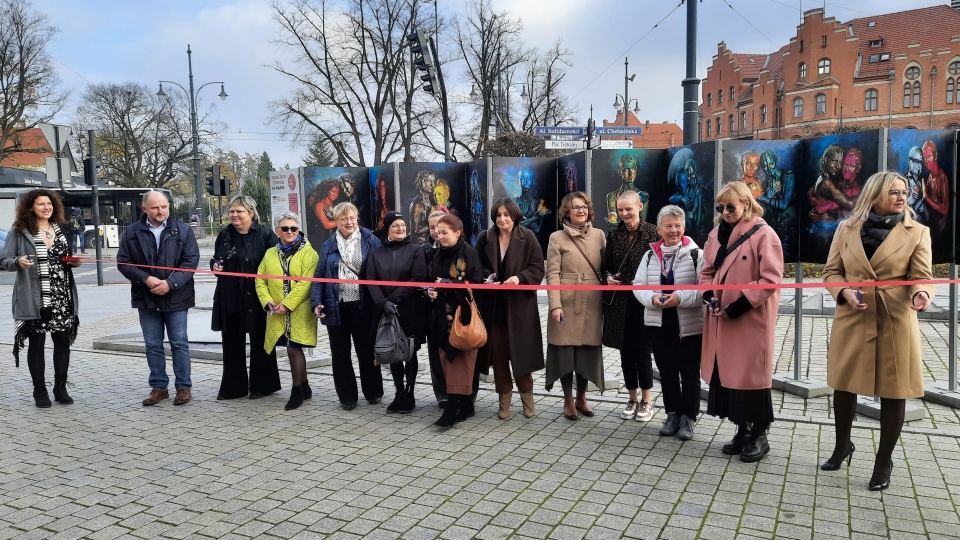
<point>740,321</point>
<point>575,325</point>
<point>880,242</point>
<point>344,308</point>
<point>237,311</point>
<point>290,323</point>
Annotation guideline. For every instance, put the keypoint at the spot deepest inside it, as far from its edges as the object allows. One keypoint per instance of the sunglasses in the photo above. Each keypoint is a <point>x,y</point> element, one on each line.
<point>289,229</point>
<point>731,208</point>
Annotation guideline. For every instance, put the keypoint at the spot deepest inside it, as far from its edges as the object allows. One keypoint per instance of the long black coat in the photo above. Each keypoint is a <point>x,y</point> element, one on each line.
<point>621,258</point>
<point>523,259</point>
<point>402,260</point>
<point>237,294</point>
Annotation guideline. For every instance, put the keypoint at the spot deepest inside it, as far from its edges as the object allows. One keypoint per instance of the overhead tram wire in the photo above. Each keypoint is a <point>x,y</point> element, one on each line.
<point>604,70</point>
<point>775,46</point>
<point>795,8</point>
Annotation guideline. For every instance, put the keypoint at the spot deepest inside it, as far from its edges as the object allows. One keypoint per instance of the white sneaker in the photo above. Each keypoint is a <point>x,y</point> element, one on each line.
<point>644,412</point>
<point>630,411</point>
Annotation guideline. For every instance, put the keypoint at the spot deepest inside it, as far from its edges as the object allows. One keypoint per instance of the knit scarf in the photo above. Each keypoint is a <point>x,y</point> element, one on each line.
<point>875,230</point>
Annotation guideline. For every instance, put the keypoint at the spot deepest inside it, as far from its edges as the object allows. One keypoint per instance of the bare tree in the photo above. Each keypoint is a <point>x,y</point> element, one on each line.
<point>28,82</point>
<point>546,105</point>
<point>142,140</point>
<point>356,87</point>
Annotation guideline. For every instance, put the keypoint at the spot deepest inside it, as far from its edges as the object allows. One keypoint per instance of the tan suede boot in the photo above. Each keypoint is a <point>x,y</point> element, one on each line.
<point>527,399</point>
<point>504,411</point>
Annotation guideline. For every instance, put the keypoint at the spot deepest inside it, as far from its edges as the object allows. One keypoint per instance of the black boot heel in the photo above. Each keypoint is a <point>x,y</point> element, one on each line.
<point>882,483</point>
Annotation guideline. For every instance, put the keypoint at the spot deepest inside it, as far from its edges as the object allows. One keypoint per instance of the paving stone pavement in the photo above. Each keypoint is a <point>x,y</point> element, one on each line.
<point>107,467</point>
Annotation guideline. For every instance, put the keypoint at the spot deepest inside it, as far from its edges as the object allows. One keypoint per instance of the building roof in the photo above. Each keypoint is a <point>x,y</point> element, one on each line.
<point>749,64</point>
<point>933,28</point>
<point>662,135</point>
<point>33,150</point>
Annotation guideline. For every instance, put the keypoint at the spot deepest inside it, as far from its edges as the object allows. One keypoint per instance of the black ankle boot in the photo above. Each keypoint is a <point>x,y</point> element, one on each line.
<point>466,408</point>
<point>735,445</point>
<point>41,397</point>
<point>296,398</point>
<point>756,446</point>
<point>409,401</point>
<point>307,391</point>
<point>449,416</point>
<point>397,402</point>
<point>60,393</point>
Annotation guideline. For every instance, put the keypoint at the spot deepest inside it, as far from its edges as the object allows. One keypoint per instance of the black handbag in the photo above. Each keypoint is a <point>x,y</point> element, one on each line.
<point>391,344</point>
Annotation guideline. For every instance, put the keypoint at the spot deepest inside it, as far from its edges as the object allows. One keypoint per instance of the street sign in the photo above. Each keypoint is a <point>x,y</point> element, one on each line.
<point>564,145</point>
<point>56,134</point>
<point>616,145</point>
<point>631,131</point>
<point>58,171</point>
<point>558,130</point>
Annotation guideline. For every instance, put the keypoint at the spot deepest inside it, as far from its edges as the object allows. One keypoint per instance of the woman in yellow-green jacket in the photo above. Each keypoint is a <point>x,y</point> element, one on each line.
<point>290,323</point>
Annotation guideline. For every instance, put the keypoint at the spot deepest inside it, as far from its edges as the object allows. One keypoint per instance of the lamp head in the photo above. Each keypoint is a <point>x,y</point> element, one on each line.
<point>161,93</point>
<point>223,93</point>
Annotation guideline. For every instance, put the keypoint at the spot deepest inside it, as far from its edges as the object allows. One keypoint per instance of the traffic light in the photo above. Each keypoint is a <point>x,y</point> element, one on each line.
<point>90,171</point>
<point>423,59</point>
<point>214,186</point>
<point>224,187</point>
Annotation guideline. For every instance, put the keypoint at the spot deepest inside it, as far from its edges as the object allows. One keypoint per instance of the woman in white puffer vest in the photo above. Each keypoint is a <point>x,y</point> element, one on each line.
<point>674,319</point>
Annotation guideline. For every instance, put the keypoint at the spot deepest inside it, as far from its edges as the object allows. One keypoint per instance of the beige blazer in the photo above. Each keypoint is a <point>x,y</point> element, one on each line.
<point>582,310</point>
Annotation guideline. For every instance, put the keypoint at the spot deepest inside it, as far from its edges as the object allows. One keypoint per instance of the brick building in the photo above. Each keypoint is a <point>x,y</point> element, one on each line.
<point>898,70</point>
<point>663,135</point>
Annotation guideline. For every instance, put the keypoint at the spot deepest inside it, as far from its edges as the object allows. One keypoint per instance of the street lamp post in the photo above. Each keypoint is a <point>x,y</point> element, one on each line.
<point>893,74</point>
<point>193,125</point>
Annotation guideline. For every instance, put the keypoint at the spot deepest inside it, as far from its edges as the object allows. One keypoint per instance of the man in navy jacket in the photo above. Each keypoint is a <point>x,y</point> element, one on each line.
<point>163,295</point>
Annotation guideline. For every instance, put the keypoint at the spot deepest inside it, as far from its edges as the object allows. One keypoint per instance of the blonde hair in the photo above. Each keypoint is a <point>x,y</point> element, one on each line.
<point>738,192</point>
<point>344,207</point>
<point>247,202</point>
<point>873,190</point>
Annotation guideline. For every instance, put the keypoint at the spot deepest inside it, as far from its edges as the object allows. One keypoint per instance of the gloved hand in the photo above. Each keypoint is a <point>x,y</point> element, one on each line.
<point>390,307</point>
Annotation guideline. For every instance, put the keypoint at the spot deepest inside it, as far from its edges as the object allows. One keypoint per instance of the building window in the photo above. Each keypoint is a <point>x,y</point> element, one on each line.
<point>916,94</point>
<point>743,119</point>
<point>709,100</point>
<point>731,127</point>
<point>733,94</point>
<point>802,71</point>
<point>906,95</point>
<point>954,70</point>
<point>912,73</point>
<point>874,58</point>
<point>718,126</point>
<point>823,66</point>
<point>709,128</point>
<point>719,96</point>
<point>821,104</point>
<point>950,91</point>
<point>876,42</point>
<point>870,100</point>
<point>763,115</point>
<point>798,107</point>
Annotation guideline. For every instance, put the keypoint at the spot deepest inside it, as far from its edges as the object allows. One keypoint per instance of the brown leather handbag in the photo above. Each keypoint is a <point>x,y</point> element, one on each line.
<point>467,337</point>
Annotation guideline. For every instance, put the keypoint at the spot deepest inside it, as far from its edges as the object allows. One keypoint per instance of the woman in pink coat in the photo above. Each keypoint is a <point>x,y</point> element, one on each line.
<point>739,326</point>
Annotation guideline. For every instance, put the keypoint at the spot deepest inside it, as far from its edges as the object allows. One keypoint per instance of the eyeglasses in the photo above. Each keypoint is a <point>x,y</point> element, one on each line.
<point>398,226</point>
<point>580,208</point>
<point>898,193</point>
<point>289,229</point>
<point>731,208</point>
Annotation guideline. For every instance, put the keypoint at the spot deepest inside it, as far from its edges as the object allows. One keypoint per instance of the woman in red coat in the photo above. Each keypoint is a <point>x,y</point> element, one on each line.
<point>739,326</point>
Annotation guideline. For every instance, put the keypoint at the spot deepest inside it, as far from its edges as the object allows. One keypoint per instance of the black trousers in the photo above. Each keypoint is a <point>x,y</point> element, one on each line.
<point>635,353</point>
<point>356,326</point>
<point>678,360</point>
<point>437,378</point>
<point>264,373</point>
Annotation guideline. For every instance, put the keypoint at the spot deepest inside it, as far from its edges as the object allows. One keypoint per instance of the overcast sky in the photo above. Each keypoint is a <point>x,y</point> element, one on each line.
<point>119,41</point>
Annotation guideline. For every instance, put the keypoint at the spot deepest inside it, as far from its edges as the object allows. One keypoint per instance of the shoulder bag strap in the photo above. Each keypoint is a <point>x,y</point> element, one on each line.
<point>743,238</point>
<point>580,249</point>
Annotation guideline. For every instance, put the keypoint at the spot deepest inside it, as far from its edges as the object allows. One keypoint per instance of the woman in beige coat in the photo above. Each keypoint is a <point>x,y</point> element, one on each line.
<point>880,242</point>
<point>575,325</point>
<point>740,324</point>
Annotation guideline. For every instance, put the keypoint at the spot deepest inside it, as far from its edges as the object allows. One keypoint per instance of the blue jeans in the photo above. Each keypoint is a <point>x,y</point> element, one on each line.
<point>175,322</point>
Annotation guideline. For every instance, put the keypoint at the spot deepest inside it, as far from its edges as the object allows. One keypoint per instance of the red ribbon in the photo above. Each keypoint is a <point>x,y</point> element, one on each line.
<point>501,287</point>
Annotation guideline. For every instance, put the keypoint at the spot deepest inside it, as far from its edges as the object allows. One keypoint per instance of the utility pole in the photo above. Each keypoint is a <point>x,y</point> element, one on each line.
<point>691,84</point>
